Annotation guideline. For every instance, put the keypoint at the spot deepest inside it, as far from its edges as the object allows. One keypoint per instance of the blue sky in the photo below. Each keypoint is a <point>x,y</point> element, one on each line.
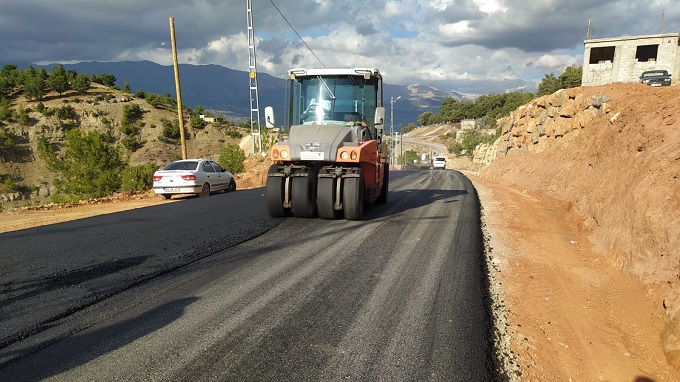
<point>467,46</point>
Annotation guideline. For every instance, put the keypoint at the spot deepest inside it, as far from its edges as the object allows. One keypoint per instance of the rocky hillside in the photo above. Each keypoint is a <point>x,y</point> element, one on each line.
<point>100,109</point>
<point>613,154</point>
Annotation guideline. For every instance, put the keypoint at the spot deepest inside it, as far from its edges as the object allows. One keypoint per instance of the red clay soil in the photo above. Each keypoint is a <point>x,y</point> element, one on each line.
<point>592,223</point>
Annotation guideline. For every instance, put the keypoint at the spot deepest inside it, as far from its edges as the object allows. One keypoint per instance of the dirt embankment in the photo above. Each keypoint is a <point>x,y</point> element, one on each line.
<point>612,155</point>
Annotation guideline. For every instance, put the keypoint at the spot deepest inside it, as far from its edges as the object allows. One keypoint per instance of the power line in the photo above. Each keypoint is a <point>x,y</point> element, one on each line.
<point>300,37</point>
<point>672,29</point>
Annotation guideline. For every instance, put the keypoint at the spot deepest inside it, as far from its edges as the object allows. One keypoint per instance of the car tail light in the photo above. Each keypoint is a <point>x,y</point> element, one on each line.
<point>157,178</point>
<point>189,177</point>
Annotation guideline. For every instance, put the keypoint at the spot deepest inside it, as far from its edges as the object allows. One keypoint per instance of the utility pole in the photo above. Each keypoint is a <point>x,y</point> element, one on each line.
<point>179,93</point>
<point>392,145</point>
<point>254,97</point>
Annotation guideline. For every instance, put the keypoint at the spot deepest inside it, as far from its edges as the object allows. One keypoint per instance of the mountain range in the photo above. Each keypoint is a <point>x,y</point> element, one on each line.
<point>226,91</point>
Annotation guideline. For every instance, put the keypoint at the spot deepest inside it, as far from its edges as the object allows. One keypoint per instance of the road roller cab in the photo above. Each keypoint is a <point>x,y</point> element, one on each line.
<point>332,160</point>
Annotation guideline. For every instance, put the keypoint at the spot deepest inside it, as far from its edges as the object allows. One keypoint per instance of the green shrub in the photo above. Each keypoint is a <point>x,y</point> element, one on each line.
<point>139,177</point>
<point>132,113</point>
<point>170,129</point>
<point>23,118</point>
<point>268,139</point>
<point>130,142</point>
<point>470,140</point>
<point>5,110</point>
<point>232,158</point>
<point>88,167</point>
<point>233,133</point>
<point>128,129</point>
<point>66,112</point>
<point>7,185</point>
<point>7,139</point>
<point>197,122</point>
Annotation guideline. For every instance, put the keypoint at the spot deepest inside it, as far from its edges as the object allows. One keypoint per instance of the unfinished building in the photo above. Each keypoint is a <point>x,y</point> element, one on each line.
<point>623,59</point>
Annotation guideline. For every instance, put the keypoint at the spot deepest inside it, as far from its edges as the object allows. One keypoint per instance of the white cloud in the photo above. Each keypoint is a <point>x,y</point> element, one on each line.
<point>463,45</point>
<point>490,6</point>
<point>552,62</point>
<point>453,30</point>
<point>500,55</point>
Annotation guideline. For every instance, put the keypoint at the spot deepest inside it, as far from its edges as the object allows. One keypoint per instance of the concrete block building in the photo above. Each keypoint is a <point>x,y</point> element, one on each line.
<point>623,59</point>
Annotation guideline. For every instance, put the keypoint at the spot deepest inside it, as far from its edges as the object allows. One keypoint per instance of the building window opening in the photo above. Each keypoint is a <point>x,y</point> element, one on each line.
<point>646,53</point>
<point>602,54</point>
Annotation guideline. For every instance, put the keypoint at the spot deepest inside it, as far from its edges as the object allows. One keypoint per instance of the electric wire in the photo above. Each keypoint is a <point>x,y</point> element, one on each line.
<point>300,37</point>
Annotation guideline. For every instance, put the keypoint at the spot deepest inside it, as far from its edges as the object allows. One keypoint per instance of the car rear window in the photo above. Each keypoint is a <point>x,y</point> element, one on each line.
<point>654,74</point>
<point>439,159</point>
<point>191,165</point>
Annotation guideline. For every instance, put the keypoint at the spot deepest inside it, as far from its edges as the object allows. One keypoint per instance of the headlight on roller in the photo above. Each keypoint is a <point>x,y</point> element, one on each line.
<point>284,154</point>
<point>344,155</point>
<point>275,154</point>
<point>354,155</point>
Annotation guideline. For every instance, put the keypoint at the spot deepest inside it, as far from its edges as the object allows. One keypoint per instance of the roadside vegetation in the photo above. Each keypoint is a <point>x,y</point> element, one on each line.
<point>486,109</point>
<point>89,152</point>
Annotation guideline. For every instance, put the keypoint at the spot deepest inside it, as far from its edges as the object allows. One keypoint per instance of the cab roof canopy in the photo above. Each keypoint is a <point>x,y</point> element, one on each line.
<point>334,72</point>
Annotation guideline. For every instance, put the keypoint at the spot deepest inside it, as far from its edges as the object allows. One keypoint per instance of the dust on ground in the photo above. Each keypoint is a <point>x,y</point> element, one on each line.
<point>571,310</point>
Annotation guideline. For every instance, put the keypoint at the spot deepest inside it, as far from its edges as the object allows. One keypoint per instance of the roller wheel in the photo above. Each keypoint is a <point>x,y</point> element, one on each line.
<point>325,198</point>
<point>274,194</point>
<point>304,195</point>
<point>382,198</point>
<point>353,198</point>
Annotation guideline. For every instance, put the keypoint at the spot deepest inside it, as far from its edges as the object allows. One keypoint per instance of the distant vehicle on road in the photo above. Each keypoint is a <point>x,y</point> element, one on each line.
<point>192,176</point>
<point>439,162</point>
<point>425,162</point>
<point>656,78</point>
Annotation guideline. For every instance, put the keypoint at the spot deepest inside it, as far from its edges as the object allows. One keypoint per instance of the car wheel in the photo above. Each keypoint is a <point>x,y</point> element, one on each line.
<point>166,196</point>
<point>205,191</point>
<point>232,185</point>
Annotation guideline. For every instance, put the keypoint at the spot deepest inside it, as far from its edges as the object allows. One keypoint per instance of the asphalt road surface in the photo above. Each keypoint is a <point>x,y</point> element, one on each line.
<point>214,289</point>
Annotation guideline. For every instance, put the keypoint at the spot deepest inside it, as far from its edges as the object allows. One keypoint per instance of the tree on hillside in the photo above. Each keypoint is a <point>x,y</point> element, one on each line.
<point>58,80</point>
<point>408,128</point>
<point>571,77</point>
<point>197,122</point>
<point>452,110</point>
<point>231,158</point>
<point>427,118</point>
<point>35,83</point>
<point>9,78</point>
<point>410,157</point>
<point>71,75</point>
<point>548,85</point>
<point>5,110</point>
<point>89,167</point>
<point>81,83</point>
<point>108,80</point>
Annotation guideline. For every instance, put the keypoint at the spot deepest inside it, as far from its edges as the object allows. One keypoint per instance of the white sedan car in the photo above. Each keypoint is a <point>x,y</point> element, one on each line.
<point>192,176</point>
<point>439,162</point>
